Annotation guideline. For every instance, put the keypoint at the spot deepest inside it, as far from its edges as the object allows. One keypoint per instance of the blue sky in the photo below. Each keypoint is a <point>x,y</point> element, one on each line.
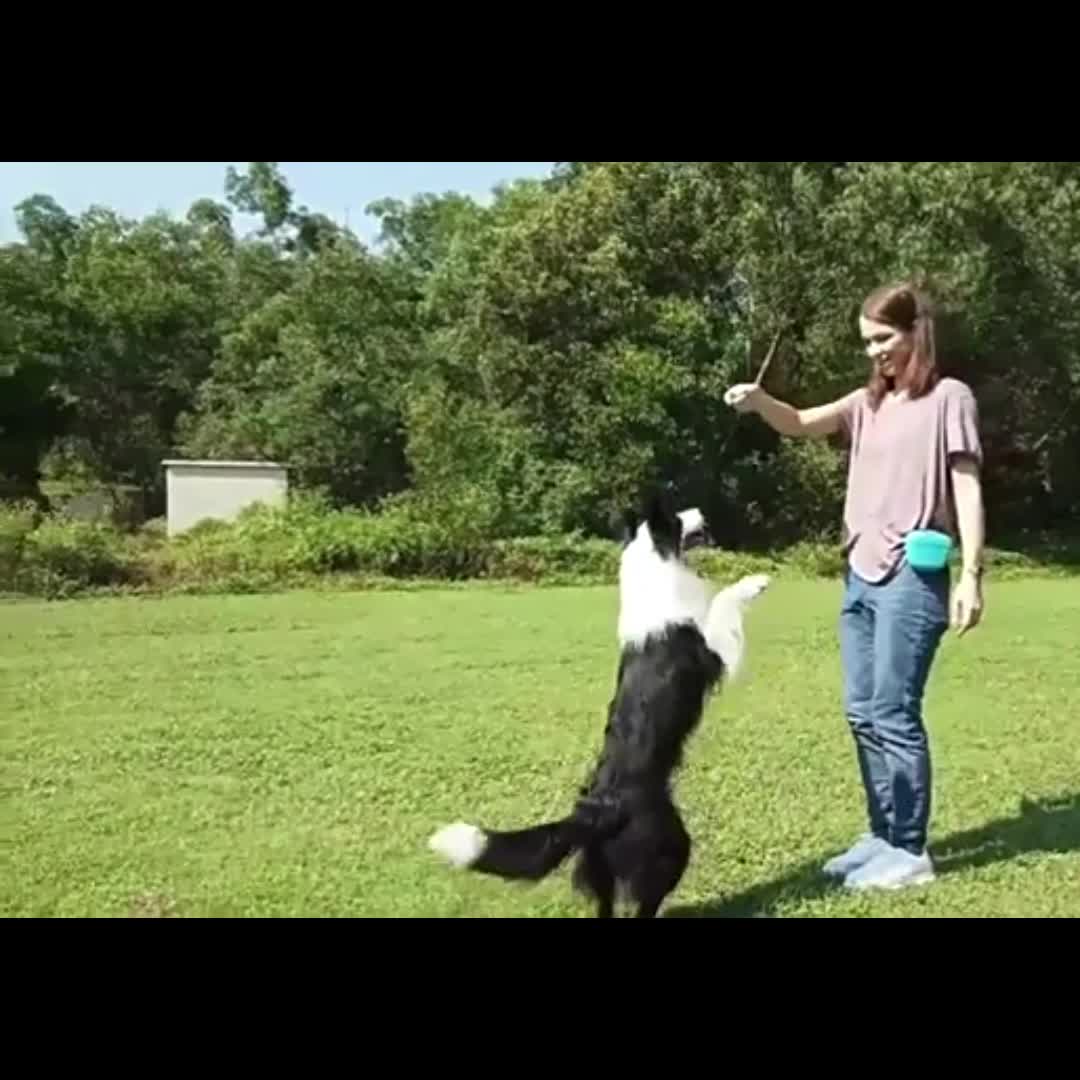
<point>336,188</point>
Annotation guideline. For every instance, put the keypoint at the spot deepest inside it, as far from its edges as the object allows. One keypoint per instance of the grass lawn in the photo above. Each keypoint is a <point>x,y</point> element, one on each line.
<point>288,755</point>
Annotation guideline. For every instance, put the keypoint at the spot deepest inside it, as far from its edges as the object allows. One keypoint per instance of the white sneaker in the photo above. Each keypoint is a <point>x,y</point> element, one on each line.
<point>892,869</point>
<point>859,854</point>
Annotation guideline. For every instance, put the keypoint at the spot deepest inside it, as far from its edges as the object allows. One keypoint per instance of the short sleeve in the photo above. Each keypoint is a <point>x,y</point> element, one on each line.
<point>848,408</point>
<point>962,423</point>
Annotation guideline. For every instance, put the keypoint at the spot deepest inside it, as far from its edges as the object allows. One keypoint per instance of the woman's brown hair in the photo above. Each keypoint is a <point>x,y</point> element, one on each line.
<point>906,308</point>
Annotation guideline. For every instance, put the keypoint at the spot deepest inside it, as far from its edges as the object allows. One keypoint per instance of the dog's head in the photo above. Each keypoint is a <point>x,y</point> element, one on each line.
<point>658,528</point>
<point>695,529</point>
<point>653,528</point>
<point>656,586</point>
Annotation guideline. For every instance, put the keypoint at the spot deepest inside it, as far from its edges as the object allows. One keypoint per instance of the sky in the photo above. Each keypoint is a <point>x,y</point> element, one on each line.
<point>339,189</point>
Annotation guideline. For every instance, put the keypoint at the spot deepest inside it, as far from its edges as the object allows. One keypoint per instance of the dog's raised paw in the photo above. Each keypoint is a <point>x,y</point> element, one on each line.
<point>751,587</point>
<point>460,844</point>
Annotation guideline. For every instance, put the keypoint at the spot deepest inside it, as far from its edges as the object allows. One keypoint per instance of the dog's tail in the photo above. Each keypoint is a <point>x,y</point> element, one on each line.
<point>526,854</point>
<point>724,623</point>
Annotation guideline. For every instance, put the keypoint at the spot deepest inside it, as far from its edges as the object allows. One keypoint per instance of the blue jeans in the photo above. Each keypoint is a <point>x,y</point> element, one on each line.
<point>889,635</point>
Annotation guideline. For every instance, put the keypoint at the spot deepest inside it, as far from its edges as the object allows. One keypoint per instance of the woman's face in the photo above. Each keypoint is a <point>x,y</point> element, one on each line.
<point>887,346</point>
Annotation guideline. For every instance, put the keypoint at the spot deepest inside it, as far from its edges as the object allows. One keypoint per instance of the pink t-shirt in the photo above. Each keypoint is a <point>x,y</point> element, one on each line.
<point>898,474</point>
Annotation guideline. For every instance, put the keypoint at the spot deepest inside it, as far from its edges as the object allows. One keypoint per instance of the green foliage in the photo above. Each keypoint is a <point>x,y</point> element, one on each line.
<point>55,558</point>
<point>18,520</point>
<point>309,542</point>
<point>540,359</point>
<point>315,377</point>
<point>32,412</point>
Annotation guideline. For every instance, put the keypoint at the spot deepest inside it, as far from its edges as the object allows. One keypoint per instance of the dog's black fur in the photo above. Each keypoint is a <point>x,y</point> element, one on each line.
<point>624,824</point>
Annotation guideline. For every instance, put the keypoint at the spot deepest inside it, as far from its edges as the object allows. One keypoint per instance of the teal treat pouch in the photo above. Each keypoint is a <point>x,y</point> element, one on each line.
<point>928,549</point>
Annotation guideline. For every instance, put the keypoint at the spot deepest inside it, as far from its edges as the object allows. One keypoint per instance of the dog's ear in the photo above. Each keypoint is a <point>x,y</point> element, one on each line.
<point>655,506</point>
<point>665,526</point>
<point>628,526</point>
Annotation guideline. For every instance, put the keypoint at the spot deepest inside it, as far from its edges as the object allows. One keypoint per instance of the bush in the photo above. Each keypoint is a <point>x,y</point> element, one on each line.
<point>54,557</point>
<point>554,558</point>
<point>307,542</point>
<point>63,558</point>
<point>17,523</point>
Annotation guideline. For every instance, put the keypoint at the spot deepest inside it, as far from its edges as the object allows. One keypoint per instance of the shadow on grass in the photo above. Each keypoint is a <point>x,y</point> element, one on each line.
<point>1051,825</point>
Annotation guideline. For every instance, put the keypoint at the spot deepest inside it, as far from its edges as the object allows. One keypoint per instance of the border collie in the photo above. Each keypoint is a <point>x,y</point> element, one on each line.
<point>677,640</point>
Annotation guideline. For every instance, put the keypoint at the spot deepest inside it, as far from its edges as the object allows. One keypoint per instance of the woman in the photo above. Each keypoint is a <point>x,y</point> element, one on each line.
<point>914,465</point>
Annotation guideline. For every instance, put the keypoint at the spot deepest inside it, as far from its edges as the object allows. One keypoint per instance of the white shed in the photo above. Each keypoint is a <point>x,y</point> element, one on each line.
<point>196,490</point>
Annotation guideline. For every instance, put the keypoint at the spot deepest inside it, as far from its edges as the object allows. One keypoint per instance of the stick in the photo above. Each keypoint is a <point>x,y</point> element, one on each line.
<point>769,357</point>
<point>762,372</point>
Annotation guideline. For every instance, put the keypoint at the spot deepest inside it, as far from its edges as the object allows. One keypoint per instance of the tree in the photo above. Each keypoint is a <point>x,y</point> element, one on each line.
<point>315,377</point>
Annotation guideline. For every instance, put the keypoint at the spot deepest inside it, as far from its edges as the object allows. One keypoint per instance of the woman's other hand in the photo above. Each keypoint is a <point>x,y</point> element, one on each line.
<point>967,604</point>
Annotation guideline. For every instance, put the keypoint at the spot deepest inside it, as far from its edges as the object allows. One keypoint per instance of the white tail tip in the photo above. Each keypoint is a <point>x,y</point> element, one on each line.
<point>460,844</point>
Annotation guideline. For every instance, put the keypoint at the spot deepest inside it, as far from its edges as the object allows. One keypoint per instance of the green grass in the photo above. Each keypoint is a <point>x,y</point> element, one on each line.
<point>289,754</point>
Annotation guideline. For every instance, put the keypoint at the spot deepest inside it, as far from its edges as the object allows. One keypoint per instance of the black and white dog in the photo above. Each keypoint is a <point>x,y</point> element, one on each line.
<point>677,640</point>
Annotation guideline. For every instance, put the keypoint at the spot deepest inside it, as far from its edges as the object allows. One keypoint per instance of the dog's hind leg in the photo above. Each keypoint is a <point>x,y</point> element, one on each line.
<point>648,909</point>
<point>605,905</point>
<point>653,882</point>
<point>593,876</point>
<point>662,879</point>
